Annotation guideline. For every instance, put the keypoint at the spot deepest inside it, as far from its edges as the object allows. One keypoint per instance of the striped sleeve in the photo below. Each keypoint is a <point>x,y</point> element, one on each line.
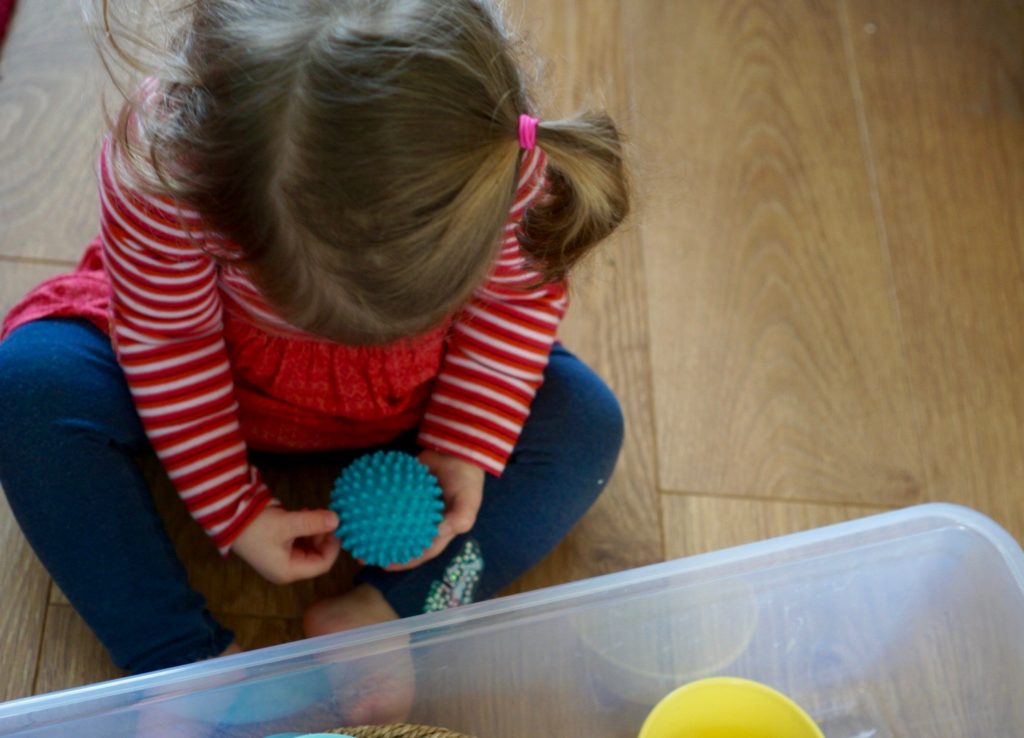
<point>166,329</point>
<point>498,350</point>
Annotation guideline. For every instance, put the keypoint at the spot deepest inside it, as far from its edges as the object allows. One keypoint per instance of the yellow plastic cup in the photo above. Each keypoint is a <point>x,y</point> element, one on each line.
<point>725,707</point>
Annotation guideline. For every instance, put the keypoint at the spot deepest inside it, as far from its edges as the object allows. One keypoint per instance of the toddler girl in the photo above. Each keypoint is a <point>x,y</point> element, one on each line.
<point>324,224</point>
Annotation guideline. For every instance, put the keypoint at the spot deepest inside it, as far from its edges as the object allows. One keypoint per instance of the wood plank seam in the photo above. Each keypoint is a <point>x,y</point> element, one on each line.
<point>860,106</point>
<point>42,638</point>
<point>629,73</point>
<point>739,497</point>
<point>37,260</point>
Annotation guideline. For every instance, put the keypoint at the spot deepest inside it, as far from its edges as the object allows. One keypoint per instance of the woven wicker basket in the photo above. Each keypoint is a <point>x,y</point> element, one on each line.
<point>398,731</point>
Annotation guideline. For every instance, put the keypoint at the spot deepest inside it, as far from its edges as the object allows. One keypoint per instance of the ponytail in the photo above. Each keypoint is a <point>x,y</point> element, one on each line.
<point>588,196</point>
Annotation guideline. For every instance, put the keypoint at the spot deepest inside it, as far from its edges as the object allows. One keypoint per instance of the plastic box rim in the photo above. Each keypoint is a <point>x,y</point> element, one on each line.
<point>519,607</point>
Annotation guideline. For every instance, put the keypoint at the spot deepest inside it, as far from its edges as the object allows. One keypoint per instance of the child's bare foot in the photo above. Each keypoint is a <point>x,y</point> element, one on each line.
<point>385,692</point>
<point>232,649</point>
<point>361,606</point>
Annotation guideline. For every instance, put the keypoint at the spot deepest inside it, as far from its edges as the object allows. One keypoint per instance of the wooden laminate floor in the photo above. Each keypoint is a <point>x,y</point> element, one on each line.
<point>815,314</point>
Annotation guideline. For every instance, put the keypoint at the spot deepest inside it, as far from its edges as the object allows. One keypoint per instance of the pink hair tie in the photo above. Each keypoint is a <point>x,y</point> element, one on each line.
<point>528,131</point>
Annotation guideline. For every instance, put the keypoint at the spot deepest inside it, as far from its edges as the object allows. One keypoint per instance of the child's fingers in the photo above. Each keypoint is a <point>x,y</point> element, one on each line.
<point>314,544</point>
<point>327,546</point>
<point>309,564</point>
<point>440,544</point>
<point>309,569</point>
<point>308,523</point>
<point>460,521</point>
<point>462,514</point>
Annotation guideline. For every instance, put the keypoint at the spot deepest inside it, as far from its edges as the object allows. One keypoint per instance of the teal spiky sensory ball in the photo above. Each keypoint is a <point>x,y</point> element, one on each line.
<point>389,507</point>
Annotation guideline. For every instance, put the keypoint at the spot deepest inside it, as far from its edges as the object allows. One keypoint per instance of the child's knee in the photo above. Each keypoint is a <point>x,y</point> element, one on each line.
<point>23,380</point>
<point>590,412</point>
<point>30,372</point>
<point>604,422</point>
<point>45,381</point>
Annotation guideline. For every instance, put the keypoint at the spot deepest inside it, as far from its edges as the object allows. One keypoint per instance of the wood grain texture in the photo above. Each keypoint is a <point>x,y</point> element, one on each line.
<point>57,597</point>
<point>23,591</point>
<point>262,632</point>
<point>50,128</point>
<point>584,52</point>
<point>71,655</point>
<point>943,91</point>
<point>778,369</point>
<point>18,277</point>
<point>824,281</point>
<point>698,524</point>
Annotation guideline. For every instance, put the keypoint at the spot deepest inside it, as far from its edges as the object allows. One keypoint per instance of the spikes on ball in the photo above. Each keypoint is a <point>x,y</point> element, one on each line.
<point>389,507</point>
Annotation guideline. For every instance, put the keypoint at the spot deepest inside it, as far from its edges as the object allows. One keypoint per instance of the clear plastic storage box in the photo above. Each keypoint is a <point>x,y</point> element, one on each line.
<point>904,624</point>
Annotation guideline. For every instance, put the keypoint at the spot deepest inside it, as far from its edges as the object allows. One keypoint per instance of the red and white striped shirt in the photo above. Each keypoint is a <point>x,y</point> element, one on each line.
<point>170,303</point>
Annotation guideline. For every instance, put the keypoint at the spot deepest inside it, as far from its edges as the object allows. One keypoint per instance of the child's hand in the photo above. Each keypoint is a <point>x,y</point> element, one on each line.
<point>462,486</point>
<point>285,547</point>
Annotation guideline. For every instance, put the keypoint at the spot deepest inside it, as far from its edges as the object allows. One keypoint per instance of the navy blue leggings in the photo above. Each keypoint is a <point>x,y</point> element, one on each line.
<point>70,436</point>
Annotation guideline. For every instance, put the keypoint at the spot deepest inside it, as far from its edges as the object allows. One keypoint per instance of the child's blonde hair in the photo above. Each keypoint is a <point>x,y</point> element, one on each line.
<point>363,154</point>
